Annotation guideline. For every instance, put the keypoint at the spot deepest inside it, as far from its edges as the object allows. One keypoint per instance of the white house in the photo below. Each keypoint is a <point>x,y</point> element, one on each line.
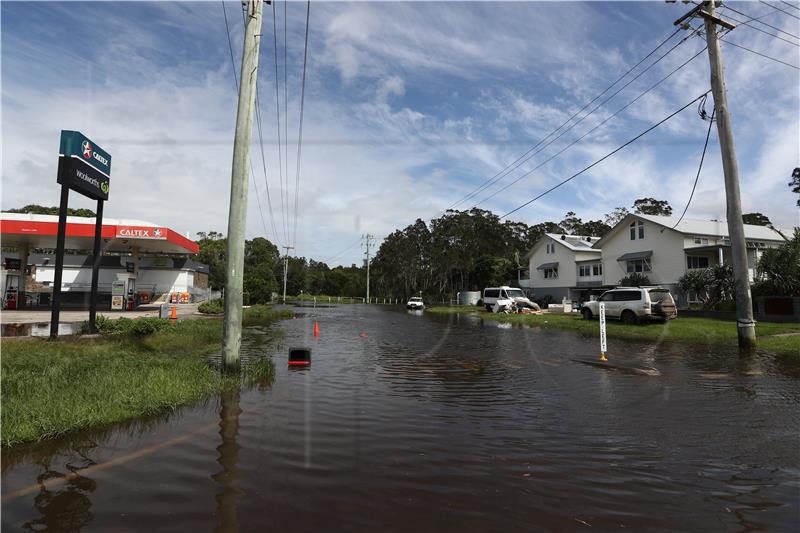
<point>664,250</point>
<point>563,266</point>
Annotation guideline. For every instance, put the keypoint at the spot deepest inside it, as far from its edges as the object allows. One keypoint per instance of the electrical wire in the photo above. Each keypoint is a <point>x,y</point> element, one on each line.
<point>760,54</point>
<point>521,159</point>
<point>252,172</point>
<point>286,96</point>
<point>300,129</point>
<point>790,5</point>
<point>617,112</point>
<point>776,8</point>
<point>598,106</point>
<point>702,158</point>
<point>748,25</point>
<point>284,206</point>
<point>758,19</point>
<point>631,141</point>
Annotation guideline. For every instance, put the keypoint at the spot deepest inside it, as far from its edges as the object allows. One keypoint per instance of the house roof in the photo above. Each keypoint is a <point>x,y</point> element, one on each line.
<point>712,228</point>
<point>635,255</point>
<point>576,243</point>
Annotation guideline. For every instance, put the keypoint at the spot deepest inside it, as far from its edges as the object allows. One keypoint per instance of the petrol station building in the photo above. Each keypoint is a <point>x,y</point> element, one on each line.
<point>141,263</point>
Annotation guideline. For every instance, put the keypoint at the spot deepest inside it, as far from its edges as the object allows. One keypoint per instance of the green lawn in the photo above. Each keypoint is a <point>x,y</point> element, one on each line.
<point>50,388</point>
<point>682,329</point>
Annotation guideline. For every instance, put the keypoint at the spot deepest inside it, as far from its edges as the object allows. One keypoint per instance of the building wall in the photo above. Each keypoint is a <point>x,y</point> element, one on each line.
<point>79,279</point>
<point>667,264</point>
<point>557,288</point>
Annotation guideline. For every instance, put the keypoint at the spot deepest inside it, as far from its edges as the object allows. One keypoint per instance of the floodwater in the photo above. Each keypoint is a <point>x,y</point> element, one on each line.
<point>37,329</point>
<point>413,422</point>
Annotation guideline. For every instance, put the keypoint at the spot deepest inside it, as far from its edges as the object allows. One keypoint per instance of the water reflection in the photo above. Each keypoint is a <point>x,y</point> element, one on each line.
<point>64,506</point>
<point>228,459</point>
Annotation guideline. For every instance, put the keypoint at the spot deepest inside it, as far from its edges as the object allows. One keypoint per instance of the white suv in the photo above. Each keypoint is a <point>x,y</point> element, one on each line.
<point>634,304</point>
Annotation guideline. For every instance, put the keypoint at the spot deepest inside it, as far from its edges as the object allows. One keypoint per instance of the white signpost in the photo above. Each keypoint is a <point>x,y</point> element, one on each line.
<point>603,345</point>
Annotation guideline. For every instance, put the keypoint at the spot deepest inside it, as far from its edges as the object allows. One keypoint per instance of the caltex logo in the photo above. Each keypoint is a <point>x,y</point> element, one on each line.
<point>156,233</point>
<point>87,149</point>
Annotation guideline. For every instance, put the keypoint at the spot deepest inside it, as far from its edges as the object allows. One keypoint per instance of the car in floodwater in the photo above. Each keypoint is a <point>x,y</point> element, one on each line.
<point>506,297</point>
<point>415,303</point>
<point>634,304</point>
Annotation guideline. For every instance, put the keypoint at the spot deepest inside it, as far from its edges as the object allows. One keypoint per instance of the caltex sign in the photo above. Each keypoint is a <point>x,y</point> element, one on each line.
<point>83,166</point>
<point>141,232</point>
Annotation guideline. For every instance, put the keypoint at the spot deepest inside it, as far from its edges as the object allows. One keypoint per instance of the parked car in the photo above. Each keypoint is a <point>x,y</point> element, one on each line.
<point>415,303</point>
<point>634,304</point>
<point>506,296</point>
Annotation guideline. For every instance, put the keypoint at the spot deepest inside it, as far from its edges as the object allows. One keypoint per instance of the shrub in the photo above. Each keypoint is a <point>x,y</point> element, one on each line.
<point>634,280</point>
<point>779,269</point>
<point>139,327</point>
<point>212,307</point>
<point>712,285</point>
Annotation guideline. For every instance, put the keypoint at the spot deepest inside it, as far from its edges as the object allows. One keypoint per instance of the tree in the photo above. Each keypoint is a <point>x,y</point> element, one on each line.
<point>779,269</point>
<point>711,285</point>
<point>595,228</point>
<point>795,183</point>
<point>613,218</point>
<point>571,225</point>
<point>212,252</point>
<point>651,206</point>
<point>756,219</point>
<point>42,210</point>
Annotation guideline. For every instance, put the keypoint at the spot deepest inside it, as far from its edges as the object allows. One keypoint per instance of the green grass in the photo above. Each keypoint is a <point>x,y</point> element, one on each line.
<point>683,329</point>
<point>51,388</point>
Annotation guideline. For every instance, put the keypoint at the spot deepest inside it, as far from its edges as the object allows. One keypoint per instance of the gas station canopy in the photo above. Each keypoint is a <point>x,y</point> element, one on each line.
<point>119,235</point>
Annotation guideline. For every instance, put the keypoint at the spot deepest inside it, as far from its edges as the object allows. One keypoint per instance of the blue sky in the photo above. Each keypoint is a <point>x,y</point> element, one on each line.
<point>409,106</point>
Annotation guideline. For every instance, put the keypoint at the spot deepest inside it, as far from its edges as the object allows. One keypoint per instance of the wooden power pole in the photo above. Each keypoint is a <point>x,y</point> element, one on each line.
<point>746,326</point>
<point>237,215</point>
<point>367,239</point>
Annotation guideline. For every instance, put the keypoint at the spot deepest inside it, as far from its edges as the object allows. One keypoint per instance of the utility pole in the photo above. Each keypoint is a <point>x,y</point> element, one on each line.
<point>746,326</point>
<point>237,214</point>
<point>286,269</point>
<point>366,239</point>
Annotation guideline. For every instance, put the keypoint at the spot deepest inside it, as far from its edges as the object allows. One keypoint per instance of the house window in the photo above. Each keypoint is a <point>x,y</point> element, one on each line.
<point>695,261</point>
<point>701,240</point>
<point>584,271</point>
<point>551,248</point>
<point>550,273</point>
<point>633,228</point>
<point>597,270</point>
<point>638,265</point>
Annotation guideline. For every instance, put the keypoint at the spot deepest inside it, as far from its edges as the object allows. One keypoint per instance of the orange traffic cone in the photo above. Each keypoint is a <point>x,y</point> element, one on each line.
<point>174,314</point>
<point>316,329</point>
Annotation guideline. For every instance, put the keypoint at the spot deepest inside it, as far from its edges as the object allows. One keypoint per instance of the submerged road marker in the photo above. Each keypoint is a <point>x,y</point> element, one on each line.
<point>603,345</point>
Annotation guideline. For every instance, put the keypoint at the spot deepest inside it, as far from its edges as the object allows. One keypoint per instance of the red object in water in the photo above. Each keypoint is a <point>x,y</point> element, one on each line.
<point>299,356</point>
<point>316,329</point>
<point>362,335</point>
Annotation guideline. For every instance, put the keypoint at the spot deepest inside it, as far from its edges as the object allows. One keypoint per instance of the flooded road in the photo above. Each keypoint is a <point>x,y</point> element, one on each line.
<point>412,422</point>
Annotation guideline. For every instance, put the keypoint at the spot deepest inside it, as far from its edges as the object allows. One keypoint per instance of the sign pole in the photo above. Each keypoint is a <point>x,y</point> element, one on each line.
<point>98,231</point>
<point>55,302</point>
<point>603,345</point>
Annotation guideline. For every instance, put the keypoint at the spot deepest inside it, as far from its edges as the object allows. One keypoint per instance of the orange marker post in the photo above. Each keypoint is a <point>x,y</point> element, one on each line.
<point>316,329</point>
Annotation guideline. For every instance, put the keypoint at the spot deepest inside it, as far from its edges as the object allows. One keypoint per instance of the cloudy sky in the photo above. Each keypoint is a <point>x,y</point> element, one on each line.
<point>409,107</point>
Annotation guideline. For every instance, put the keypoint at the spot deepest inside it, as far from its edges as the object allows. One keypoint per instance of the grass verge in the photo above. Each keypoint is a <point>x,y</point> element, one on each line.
<point>51,388</point>
<point>691,330</point>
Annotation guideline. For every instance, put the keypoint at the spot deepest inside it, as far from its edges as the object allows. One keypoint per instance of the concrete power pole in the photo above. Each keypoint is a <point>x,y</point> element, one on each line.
<point>286,269</point>
<point>367,238</point>
<point>237,215</point>
<point>744,304</point>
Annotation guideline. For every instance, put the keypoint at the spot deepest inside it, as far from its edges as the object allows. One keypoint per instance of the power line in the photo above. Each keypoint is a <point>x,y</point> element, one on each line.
<point>748,25</point>
<point>645,132</point>
<point>760,54</point>
<point>300,130</point>
<point>699,168</point>
<point>284,214</point>
<point>790,5</point>
<point>508,168</point>
<point>779,9</point>
<point>589,114</point>
<point>617,112</point>
<point>758,19</point>
<point>286,96</point>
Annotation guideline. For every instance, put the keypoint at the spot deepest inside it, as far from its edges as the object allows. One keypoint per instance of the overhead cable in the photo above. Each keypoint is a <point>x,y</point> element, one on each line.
<point>617,112</point>
<point>631,141</point>
<point>521,159</point>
